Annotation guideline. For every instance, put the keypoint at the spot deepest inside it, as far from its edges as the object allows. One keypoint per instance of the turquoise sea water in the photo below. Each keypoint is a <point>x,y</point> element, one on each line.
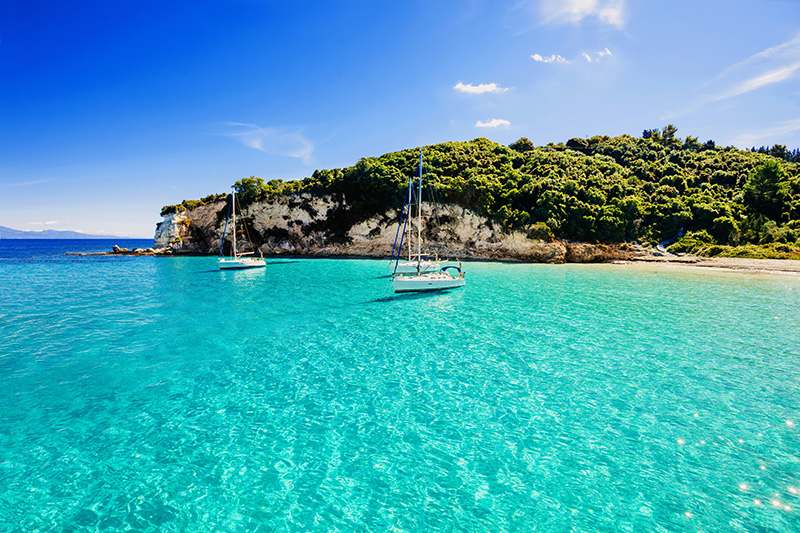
<point>158,393</point>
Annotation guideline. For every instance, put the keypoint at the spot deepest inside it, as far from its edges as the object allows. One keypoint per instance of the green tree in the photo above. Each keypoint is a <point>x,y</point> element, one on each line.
<point>249,190</point>
<point>691,143</point>
<point>766,190</point>
<point>779,151</point>
<point>725,229</point>
<point>669,134</point>
<point>522,145</point>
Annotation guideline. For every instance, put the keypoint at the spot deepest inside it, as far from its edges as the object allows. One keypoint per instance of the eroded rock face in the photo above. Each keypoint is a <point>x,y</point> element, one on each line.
<point>304,224</point>
<point>582,252</point>
<point>169,230</point>
<point>196,231</point>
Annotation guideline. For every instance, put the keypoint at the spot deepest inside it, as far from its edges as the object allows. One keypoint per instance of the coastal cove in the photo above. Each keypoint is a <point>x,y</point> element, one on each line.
<point>586,200</point>
<point>153,392</point>
<point>579,253</point>
<point>522,266</point>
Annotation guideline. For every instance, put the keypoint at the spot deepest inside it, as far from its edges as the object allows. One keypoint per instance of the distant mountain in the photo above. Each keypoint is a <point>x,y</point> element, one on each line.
<point>11,233</point>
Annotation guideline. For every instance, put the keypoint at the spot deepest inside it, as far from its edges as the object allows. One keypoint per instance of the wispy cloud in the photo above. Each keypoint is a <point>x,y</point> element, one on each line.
<point>772,135</point>
<point>786,49</point>
<point>592,57</point>
<point>45,223</point>
<point>553,58</point>
<point>589,57</point>
<point>273,141</point>
<point>493,123</point>
<point>611,12</point>
<point>480,88</point>
<point>760,81</point>
<point>29,183</point>
<point>768,67</point>
<point>762,69</point>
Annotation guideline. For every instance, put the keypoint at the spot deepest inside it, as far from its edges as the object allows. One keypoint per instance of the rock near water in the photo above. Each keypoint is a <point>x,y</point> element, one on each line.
<point>305,225</point>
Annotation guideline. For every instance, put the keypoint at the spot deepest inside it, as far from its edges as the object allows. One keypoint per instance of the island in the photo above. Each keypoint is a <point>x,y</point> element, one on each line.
<point>590,199</point>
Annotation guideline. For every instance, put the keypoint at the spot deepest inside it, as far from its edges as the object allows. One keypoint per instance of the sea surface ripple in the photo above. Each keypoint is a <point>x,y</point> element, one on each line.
<point>161,393</point>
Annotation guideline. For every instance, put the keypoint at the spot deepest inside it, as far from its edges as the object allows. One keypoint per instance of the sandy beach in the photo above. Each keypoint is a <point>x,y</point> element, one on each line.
<point>737,264</point>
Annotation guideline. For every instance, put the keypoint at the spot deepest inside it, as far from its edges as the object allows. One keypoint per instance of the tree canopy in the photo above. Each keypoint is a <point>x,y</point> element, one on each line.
<point>605,189</point>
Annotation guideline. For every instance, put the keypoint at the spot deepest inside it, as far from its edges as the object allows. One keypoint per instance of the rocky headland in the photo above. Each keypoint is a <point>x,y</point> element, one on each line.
<point>586,200</point>
<point>301,225</point>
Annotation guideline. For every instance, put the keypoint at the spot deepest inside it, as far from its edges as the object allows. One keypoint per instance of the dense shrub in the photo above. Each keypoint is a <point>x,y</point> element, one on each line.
<point>540,231</point>
<point>191,204</point>
<point>601,188</point>
<point>692,243</point>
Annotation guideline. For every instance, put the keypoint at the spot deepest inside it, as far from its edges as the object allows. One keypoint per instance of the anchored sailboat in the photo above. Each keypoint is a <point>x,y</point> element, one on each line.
<point>420,274</point>
<point>422,263</point>
<point>238,261</point>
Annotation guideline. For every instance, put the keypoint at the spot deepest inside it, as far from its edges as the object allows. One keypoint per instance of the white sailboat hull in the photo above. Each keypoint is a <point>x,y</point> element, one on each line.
<point>241,263</point>
<point>435,281</point>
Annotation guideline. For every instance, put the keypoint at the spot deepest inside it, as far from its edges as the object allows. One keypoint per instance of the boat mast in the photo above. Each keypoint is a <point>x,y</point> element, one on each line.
<point>233,211</point>
<point>408,215</point>
<point>419,213</point>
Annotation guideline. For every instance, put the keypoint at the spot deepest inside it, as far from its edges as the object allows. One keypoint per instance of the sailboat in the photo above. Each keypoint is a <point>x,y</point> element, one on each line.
<point>238,261</point>
<point>423,263</point>
<point>421,274</point>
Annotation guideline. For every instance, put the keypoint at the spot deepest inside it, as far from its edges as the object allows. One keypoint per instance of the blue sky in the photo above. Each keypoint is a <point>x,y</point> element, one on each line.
<point>108,110</point>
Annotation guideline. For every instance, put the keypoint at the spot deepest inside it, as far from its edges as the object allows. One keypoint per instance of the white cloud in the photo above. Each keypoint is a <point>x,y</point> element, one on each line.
<point>762,69</point>
<point>591,57</point>
<point>493,123</point>
<point>789,48</point>
<point>273,141</point>
<point>773,135</point>
<point>45,223</point>
<point>554,58</point>
<point>759,81</point>
<point>611,12</point>
<point>480,88</point>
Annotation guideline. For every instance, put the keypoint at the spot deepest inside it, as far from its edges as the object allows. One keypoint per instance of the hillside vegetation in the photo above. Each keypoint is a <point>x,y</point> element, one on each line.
<point>722,201</point>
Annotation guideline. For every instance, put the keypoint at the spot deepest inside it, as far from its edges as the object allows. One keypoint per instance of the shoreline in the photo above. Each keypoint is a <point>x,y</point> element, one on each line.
<point>789,267</point>
<point>726,264</point>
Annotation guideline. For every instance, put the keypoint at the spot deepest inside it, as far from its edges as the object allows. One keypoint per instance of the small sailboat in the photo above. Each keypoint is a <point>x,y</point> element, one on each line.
<point>238,261</point>
<point>420,273</point>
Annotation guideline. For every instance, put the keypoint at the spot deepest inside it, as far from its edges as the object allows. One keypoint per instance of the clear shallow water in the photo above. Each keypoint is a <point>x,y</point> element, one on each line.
<point>157,393</point>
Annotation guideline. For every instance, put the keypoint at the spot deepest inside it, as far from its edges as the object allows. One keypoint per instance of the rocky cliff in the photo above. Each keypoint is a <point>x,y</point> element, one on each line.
<point>306,225</point>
